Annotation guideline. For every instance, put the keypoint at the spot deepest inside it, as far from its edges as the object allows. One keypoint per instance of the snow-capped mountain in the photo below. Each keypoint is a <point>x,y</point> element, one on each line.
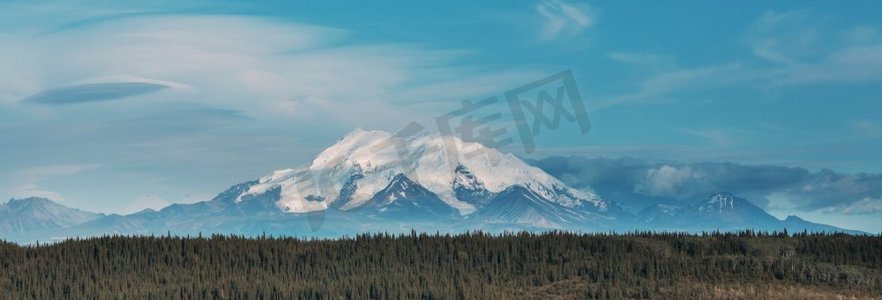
<point>463,175</point>
<point>406,199</point>
<point>726,208</point>
<point>718,211</point>
<point>722,211</point>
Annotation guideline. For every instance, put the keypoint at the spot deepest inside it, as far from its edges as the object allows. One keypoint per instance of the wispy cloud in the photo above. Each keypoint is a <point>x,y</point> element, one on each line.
<point>148,201</point>
<point>93,92</point>
<point>786,49</point>
<point>675,80</point>
<point>786,37</point>
<point>563,19</point>
<point>864,206</point>
<point>866,128</point>
<point>644,60</point>
<point>809,49</point>
<point>267,68</point>
<point>717,137</point>
<point>29,179</point>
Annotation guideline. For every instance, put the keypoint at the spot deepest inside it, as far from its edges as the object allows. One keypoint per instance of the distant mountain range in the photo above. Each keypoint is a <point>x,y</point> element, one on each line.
<point>725,212</point>
<point>372,181</point>
<point>34,214</point>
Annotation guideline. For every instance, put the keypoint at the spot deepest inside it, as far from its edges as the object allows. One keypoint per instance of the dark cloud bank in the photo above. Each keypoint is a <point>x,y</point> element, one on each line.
<point>638,183</point>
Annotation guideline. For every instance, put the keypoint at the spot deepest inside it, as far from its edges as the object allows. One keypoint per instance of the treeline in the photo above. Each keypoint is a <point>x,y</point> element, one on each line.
<point>467,266</point>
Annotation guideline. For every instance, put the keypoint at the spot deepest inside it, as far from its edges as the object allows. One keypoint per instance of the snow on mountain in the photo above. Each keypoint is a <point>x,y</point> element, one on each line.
<point>468,188</point>
<point>718,203</point>
<point>363,163</point>
<point>719,211</point>
<point>727,208</point>
<point>21,215</point>
<point>405,199</point>
<point>519,205</point>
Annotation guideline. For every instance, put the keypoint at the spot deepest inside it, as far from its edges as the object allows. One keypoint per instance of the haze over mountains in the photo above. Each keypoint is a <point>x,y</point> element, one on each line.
<point>29,214</point>
<point>373,181</point>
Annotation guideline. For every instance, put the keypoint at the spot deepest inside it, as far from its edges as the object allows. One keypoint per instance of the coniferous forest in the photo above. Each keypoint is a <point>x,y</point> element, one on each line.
<point>469,266</point>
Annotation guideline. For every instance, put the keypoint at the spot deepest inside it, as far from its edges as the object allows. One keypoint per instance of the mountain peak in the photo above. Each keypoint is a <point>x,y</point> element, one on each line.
<point>401,181</point>
<point>406,199</point>
<point>30,201</point>
<point>792,218</point>
<point>36,213</point>
<point>725,208</point>
<point>364,162</point>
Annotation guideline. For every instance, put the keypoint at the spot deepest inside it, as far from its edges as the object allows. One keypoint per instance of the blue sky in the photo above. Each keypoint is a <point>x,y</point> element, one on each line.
<point>114,107</point>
